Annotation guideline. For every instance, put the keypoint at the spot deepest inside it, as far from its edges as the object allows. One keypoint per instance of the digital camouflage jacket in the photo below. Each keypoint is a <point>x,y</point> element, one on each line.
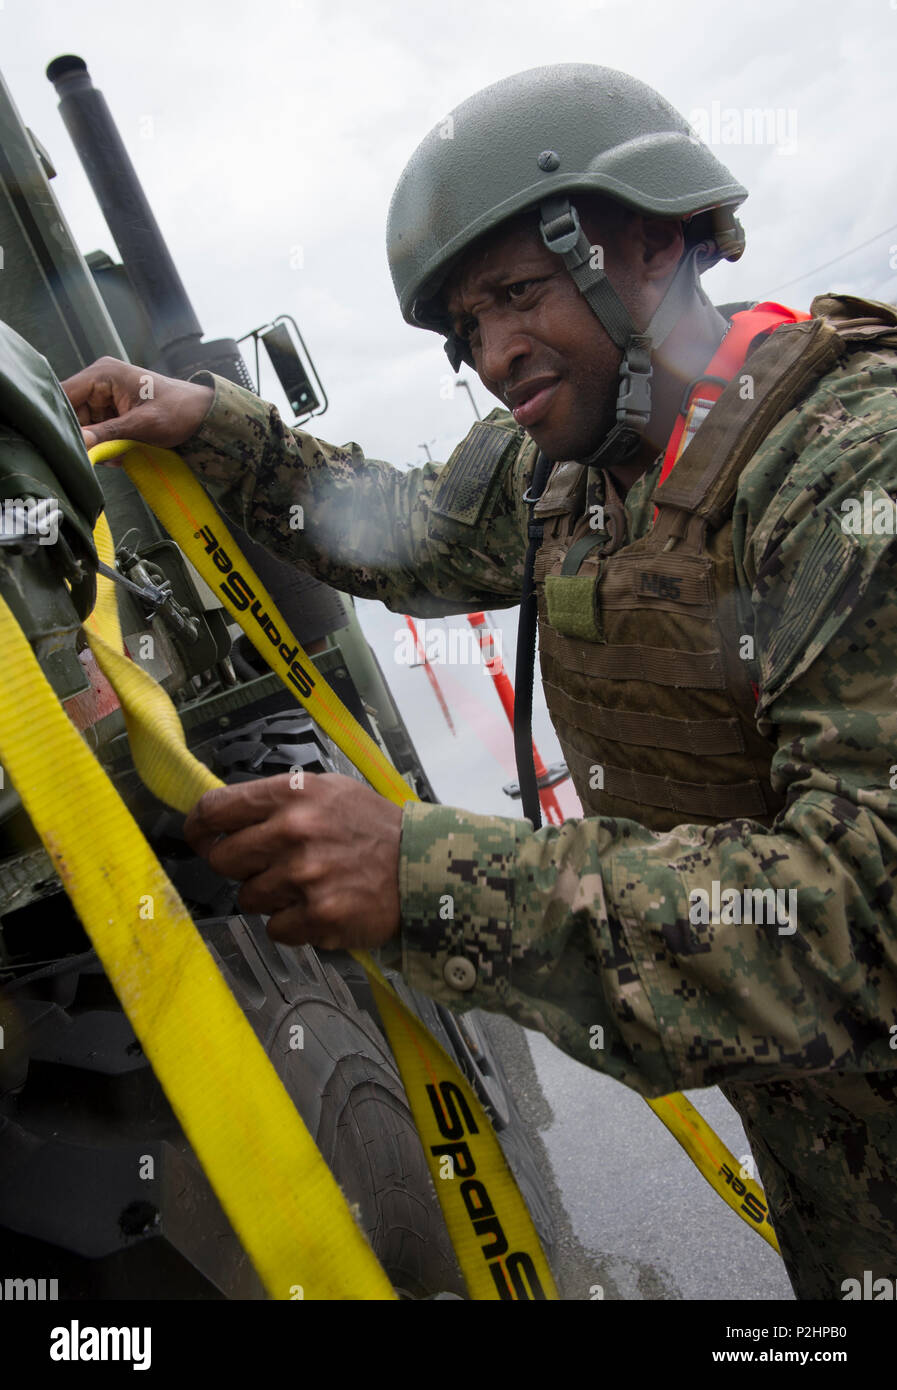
<point>647,933</point>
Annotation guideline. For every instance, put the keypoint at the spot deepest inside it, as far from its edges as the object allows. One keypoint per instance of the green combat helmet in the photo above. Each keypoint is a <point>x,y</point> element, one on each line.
<point>536,139</point>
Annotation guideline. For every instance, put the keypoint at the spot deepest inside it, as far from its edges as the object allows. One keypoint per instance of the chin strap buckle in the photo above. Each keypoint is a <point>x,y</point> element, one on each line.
<point>634,398</point>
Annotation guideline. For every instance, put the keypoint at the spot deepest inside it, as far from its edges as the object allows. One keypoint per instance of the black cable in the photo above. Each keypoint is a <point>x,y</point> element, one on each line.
<point>526,656</point>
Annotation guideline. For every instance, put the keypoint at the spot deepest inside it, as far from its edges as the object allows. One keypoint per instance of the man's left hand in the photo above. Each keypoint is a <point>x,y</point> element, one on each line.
<point>321,858</point>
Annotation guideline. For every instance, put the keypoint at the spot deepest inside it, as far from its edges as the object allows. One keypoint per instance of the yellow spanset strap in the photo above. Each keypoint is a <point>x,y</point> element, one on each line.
<point>714,1161</point>
<point>181,504</point>
<point>278,1193</point>
<point>491,1229</point>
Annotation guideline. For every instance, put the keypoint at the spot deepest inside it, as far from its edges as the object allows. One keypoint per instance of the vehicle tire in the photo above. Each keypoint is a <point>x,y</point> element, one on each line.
<point>275,744</point>
<point>98,1186</point>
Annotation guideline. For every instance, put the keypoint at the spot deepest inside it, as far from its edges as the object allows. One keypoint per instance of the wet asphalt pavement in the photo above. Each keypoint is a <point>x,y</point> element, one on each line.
<point>634,1216</point>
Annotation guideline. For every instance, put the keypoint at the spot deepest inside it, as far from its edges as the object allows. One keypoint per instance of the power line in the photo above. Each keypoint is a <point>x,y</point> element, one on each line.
<point>844,254</point>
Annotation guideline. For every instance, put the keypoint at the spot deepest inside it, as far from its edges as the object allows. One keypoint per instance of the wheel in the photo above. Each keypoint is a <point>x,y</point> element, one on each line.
<point>466,1039</point>
<point>275,744</point>
<point>98,1186</point>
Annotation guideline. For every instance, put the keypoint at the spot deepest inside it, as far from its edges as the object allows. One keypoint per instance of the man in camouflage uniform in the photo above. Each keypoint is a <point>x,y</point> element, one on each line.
<point>719,654</point>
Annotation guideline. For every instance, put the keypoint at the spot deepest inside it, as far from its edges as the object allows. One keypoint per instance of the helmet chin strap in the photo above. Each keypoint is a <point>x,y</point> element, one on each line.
<point>563,235</point>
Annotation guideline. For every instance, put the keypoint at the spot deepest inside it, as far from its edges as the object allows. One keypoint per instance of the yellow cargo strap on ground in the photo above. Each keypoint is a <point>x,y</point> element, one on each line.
<point>179,501</point>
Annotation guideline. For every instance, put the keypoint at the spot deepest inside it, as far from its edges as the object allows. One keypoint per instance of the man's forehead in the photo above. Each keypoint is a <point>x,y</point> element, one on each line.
<point>495,256</point>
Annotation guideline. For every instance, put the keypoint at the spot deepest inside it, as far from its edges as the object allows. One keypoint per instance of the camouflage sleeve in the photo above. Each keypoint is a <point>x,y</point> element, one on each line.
<point>431,541</point>
<point>730,953</point>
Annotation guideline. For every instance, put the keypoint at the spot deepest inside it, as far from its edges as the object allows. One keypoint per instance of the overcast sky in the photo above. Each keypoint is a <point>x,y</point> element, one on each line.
<point>261,128</point>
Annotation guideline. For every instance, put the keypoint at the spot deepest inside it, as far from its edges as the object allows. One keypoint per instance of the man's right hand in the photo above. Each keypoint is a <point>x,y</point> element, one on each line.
<point>116,400</point>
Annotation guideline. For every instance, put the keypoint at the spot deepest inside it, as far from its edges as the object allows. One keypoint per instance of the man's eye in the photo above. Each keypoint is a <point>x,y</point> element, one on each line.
<point>518,289</point>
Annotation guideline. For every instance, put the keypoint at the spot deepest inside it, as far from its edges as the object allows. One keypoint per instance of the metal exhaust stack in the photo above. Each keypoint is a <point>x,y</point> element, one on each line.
<point>141,245</point>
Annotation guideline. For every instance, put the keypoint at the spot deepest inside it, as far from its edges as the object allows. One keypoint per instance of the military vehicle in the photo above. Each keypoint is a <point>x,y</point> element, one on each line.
<point>80,1107</point>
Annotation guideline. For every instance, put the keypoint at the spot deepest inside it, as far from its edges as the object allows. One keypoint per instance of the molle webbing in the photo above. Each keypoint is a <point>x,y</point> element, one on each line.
<point>657,665</point>
<point>650,730</point>
<point>722,802</point>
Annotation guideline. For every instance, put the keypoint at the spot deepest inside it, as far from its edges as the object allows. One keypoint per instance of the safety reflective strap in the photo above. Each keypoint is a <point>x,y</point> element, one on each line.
<point>429,1075</point>
<point>491,1229</point>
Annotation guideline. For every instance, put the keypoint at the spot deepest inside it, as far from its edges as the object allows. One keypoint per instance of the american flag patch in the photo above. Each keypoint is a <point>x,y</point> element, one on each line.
<point>465,482</point>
